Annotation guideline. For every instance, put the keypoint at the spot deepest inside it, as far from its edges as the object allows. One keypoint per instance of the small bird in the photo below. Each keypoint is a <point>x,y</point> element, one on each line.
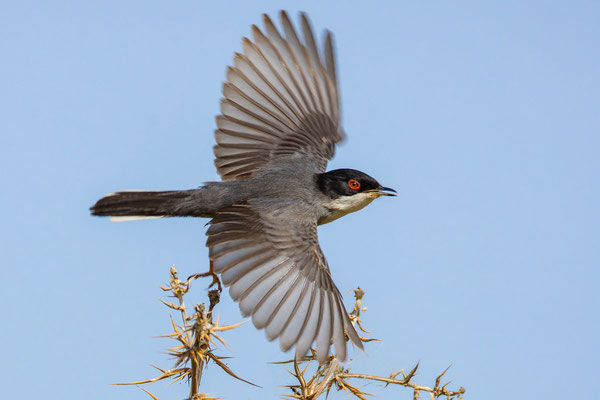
<point>278,127</point>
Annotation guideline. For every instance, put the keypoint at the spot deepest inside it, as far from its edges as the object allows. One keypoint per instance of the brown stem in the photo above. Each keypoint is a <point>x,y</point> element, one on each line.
<point>437,391</point>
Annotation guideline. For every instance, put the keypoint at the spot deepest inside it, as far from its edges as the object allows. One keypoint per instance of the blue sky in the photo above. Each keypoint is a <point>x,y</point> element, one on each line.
<point>483,115</point>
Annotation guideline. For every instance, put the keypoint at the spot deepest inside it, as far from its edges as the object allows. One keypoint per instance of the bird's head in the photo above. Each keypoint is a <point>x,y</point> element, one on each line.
<point>349,191</point>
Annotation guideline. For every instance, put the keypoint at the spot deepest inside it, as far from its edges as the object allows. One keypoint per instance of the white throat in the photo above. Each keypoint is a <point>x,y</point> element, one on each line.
<point>347,204</point>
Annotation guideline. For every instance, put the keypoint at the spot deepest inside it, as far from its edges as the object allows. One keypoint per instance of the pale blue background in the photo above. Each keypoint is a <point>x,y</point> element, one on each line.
<point>483,115</point>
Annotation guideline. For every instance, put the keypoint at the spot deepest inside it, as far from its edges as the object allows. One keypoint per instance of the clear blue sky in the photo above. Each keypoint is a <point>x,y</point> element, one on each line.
<point>485,116</point>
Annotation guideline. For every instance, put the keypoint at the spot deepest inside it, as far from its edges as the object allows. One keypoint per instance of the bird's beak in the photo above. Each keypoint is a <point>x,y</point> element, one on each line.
<point>383,191</point>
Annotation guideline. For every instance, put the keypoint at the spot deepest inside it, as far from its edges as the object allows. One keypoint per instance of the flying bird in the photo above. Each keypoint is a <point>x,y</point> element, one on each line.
<point>278,127</point>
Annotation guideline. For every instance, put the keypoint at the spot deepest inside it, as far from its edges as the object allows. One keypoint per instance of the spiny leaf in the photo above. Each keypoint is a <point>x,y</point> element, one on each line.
<point>227,327</point>
<point>149,394</point>
<point>229,371</point>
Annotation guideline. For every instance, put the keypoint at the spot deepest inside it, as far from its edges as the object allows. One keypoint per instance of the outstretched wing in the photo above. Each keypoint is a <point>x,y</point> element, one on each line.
<point>275,269</point>
<point>280,100</point>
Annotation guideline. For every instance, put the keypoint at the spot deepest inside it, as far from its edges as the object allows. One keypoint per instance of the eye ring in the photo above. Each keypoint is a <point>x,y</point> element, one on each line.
<point>354,184</point>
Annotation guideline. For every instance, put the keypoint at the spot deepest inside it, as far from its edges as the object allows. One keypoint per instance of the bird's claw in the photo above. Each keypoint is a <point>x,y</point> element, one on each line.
<point>211,272</point>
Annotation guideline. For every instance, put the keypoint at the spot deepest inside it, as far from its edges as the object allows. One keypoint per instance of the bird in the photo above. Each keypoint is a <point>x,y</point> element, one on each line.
<point>279,123</point>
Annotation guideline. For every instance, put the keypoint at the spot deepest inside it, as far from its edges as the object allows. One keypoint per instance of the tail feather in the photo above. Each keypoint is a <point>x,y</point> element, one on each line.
<point>132,218</point>
<point>132,204</point>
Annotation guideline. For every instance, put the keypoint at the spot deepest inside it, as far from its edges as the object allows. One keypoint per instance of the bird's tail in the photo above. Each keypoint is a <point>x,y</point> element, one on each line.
<point>132,204</point>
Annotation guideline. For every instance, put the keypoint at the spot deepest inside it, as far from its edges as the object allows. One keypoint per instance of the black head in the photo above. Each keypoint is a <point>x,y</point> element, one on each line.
<point>348,182</point>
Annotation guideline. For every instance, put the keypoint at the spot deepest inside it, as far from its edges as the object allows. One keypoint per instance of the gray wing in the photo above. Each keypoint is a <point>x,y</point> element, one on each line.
<point>275,269</point>
<point>280,100</point>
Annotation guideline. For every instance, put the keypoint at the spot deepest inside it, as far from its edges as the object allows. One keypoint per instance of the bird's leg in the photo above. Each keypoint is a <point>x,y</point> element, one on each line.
<point>211,272</point>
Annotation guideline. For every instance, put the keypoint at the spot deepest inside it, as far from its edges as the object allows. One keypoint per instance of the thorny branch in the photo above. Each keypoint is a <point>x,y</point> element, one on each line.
<point>195,337</point>
<point>331,373</point>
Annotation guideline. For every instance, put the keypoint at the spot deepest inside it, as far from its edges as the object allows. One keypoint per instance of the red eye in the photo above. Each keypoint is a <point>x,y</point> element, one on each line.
<point>353,184</point>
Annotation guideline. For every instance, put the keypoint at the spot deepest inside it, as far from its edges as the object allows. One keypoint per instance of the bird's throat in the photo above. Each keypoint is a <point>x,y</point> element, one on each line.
<point>345,205</point>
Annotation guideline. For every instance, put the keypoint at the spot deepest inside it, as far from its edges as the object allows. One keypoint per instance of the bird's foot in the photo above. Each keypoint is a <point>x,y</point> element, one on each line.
<point>211,272</point>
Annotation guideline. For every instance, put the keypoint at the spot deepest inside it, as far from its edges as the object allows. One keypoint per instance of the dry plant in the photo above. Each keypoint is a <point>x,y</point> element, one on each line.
<point>331,374</point>
<point>197,337</point>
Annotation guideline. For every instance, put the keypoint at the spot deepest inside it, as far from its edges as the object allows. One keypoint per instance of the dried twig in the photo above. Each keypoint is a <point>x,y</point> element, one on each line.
<point>332,374</point>
<point>195,337</point>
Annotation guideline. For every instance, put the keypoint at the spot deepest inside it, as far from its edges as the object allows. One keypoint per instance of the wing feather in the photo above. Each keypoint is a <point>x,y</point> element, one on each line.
<point>275,269</point>
<point>270,303</point>
<point>248,266</point>
<point>280,99</point>
<point>325,329</point>
<point>311,321</point>
<point>339,340</point>
<point>261,286</point>
<point>282,81</point>
<point>288,62</point>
